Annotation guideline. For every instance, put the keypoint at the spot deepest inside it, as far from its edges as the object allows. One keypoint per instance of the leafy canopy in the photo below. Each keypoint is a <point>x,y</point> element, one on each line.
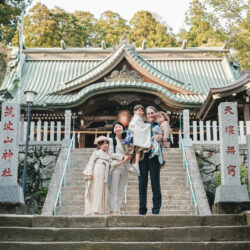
<point>144,25</point>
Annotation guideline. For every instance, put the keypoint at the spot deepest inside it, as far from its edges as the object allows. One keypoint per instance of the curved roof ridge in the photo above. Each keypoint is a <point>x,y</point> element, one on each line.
<point>155,69</point>
<point>102,66</point>
<point>156,72</point>
<point>57,99</point>
<point>106,63</point>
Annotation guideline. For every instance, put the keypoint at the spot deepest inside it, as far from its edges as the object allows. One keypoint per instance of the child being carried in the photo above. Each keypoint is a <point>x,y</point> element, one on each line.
<point>141,133</point>
<point>163,120</point>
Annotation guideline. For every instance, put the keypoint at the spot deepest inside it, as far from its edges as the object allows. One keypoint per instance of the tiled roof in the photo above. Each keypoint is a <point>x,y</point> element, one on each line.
<point>200,75</point>
<point>107,63</point>
<point>53,75</point>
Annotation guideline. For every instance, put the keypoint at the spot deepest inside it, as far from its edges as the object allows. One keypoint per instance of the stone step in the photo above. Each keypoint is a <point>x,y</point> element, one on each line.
<point>129,213</point>
<point>177,199</point>
<point>129,234</point>
<point>162,212</point>
<point>134,205</point>
<point>165,185</point>
<point>72,192</point>
<point>132,183</point>
<point>82,165</point>
<point>121,221</point>
<point>166,204</point>
<point>166,189</point>
<point>170,179</point>
<point>7,220</point>
<point>165,173</point>
<point>20,245</point>
<point>130,200</point>
<point>79,195</point>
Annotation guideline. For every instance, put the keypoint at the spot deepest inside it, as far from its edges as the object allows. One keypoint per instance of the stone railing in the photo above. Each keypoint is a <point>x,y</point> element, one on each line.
<point>208,132</point>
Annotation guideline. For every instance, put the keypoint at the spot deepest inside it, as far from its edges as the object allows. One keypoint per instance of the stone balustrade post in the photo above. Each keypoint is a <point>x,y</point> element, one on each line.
<point>10,191</point>
<point>186,128</point>
<point>230,189</point>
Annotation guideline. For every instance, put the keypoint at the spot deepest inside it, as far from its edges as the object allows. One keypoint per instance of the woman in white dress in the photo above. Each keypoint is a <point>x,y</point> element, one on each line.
<point>97,172</point>
<point>119,174</point>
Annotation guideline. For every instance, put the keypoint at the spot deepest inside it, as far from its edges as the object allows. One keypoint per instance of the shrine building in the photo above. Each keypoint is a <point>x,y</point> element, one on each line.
<point>101,85</point>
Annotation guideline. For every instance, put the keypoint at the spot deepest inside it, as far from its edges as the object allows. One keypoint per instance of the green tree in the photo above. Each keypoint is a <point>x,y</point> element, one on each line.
<point>89,32</point>
<point>232,20</point>
<point>3,61</point>
<point>68,28</point>
<point>46,28</point>
<point>40,29</point>
<point>10,12</point>
<point>110,27</point>
<point>201,32</point>
<point>146,26</point>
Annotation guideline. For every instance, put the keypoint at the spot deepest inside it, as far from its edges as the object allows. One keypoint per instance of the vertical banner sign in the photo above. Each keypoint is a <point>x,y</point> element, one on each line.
<point>229,146</point>
<point>186,128</point>
<point>67,126</point>
<point>9,142</point>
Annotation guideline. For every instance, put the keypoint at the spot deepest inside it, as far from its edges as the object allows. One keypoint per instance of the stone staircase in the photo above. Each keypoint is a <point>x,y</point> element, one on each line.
<point>125,232</point>
<point>175,193</point>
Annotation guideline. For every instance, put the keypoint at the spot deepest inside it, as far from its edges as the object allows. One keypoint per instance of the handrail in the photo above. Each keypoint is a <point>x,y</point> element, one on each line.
<point>189,177</point>
<point>62,177</point>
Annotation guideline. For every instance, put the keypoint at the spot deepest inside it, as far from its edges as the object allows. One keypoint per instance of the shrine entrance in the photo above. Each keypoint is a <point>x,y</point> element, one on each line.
<point>96,116</point>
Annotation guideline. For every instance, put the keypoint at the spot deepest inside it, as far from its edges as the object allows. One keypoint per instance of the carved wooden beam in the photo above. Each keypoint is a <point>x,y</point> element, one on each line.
<point>100,118</point>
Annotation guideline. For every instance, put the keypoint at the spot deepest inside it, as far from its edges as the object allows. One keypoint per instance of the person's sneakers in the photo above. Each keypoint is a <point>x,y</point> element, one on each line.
<point>136,168</point>
<point>132,171</point>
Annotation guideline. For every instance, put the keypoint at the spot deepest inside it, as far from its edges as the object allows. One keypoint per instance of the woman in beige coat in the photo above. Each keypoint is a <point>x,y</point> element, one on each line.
<point>97,171</point>
<point>119,174</point>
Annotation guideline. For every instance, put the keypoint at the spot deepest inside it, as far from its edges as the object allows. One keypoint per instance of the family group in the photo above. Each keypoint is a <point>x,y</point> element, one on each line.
<point>137,150</point>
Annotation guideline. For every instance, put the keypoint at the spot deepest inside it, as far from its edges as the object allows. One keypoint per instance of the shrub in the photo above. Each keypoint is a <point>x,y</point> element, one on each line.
<point>243,176</point>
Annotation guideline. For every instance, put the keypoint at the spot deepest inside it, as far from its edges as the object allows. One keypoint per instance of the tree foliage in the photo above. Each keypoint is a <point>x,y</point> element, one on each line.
<point>89,33</point>
<point>40,30</point>
<point>145,26</point>
<point>3,59</point>
<point>232,20</point>
<point>111,27</point>
<point>208,23</point>
<point>201,32</point>
<point>10,11</point>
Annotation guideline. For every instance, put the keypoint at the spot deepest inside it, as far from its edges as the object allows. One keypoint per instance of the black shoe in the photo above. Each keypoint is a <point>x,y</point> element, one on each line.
<point>162,165</point>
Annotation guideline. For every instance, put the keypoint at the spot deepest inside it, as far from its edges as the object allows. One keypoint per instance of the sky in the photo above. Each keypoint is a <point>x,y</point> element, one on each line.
<point>172,12</point>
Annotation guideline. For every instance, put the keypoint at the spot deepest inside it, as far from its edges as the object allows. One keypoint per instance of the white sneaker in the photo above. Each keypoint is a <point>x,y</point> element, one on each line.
<point>136,169</point>
<point>132,170</point>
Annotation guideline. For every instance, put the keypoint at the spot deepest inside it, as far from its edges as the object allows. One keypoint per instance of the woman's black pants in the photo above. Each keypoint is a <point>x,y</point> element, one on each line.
<point>153,166</point>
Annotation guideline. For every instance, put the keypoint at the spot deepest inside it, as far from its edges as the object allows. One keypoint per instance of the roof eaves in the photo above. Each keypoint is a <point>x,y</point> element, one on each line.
<point>74,98</point>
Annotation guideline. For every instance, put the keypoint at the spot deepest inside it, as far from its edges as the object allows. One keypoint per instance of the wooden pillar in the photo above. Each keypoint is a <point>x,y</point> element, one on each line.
<point>82,143</point>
